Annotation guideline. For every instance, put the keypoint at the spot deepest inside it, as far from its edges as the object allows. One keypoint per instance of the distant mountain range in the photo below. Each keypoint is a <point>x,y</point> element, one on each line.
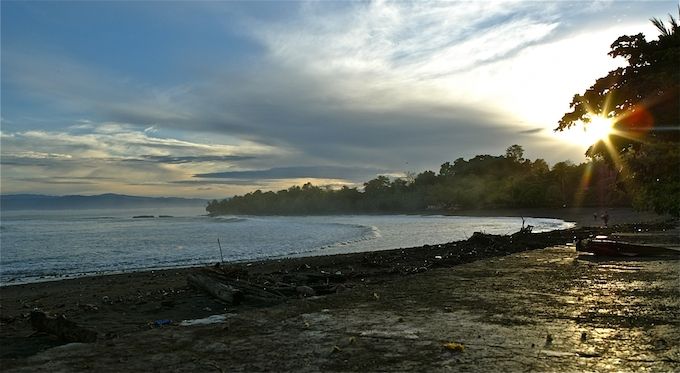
<point>102,201</point>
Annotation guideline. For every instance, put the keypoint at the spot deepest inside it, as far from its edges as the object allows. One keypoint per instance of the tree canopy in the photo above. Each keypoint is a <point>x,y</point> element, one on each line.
<point>643,100</point>
<point>642,97</point>
<point>484,181</point>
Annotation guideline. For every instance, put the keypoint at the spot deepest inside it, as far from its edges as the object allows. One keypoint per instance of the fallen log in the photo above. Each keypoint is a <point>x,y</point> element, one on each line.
<point>255,289</point>
<point>248,287</point>
<point>307,277</point>
<point>317,289</point>
<point>62,328</point>
<point>223,292</point>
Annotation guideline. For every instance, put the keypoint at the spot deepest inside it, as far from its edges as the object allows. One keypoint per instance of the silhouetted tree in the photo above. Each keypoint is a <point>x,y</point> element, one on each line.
<point>643,99</point>
<point>515,152</point>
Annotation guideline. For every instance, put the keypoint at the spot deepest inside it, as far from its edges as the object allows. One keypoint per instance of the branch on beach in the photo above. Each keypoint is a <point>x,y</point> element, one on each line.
<point>223,292</point>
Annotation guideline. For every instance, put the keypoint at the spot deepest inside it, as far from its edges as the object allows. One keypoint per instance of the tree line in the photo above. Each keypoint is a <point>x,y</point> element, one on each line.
<point>482,182</point>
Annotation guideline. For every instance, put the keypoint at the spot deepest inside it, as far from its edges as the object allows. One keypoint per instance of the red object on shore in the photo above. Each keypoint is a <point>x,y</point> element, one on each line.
<point>606,247</point>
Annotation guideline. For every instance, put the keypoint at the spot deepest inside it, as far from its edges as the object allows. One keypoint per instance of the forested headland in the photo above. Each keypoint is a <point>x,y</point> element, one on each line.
<point>482,182</point>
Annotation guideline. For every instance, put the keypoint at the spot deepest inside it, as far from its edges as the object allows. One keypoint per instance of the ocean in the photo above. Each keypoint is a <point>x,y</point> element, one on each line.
<point>44,245</point>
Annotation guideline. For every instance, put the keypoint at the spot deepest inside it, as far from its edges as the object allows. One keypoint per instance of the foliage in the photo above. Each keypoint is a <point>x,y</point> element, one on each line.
<point>484,181</point>
<point>643,99</point>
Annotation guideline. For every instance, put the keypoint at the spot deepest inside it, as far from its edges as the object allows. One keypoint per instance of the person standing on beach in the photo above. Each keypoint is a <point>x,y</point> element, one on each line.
<point>605,218</point>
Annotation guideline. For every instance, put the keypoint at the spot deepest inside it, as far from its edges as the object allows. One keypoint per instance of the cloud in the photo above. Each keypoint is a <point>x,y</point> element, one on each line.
<point>63,180</point>
<point>334,91</point>
<point>249,183</point>
<point>532,131</point>
<point>110,156</point>
<point>313,172</point>
<point>122,141</point>
<point>192,159</point>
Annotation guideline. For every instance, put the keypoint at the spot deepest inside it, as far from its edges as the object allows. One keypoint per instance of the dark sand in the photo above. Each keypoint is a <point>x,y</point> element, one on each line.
<point>501,308</point>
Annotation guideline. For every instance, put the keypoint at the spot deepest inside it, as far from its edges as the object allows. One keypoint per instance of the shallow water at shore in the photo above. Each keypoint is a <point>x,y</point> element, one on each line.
<point>56,244</point>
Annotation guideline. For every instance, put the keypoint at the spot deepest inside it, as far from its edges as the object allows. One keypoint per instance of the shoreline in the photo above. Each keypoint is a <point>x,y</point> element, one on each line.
<point>581,217</point>
<point>122,308</point>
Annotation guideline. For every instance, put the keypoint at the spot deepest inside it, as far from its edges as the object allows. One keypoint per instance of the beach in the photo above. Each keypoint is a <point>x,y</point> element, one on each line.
<point>396,311</point>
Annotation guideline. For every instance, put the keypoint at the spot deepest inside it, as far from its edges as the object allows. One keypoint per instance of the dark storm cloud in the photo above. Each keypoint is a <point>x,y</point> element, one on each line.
<point>325,126</point>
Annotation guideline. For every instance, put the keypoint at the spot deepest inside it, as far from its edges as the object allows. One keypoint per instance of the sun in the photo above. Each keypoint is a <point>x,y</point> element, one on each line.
<point>587,134</point>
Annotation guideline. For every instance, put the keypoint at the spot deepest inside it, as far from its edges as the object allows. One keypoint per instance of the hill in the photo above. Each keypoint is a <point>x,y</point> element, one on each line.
<point>102,201</point>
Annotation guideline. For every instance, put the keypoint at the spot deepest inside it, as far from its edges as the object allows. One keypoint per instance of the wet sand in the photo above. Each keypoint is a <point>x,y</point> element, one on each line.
<point>497,307</point>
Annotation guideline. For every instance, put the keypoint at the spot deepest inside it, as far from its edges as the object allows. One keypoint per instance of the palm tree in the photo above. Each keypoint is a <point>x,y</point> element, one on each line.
<point>663,30</point>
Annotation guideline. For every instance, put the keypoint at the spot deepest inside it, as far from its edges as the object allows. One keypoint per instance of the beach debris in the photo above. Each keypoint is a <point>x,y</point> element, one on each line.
<point>584,336</point>
<point>214,319</point>
<point>660,344</point>
<point>610,246</point>
<point>62,328</point>
<point>339,288</point>
<point>548,339</point>
<point>88,307</point>
<point>454,347</point>
<point>223,292</point>
<point>162,322</point>
<point>352,340</point>
<point>335,349</point>
<point>305,291</point>
<point>252,283</point>
<point>7,319</point>
<point>250,290</point>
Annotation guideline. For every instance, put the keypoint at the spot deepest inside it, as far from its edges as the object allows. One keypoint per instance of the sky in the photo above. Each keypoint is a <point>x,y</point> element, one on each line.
<point>212,99</point>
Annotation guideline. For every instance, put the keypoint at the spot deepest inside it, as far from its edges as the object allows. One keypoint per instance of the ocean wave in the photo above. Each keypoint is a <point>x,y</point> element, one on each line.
<point>369,233</point>
<point>219,219</point>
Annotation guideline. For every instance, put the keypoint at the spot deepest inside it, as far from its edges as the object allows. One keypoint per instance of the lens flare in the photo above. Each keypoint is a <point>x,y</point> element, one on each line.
<point>587,134</point>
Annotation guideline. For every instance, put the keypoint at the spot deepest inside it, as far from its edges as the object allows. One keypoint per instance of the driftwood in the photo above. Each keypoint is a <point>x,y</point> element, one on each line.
<point>308,277</point>
<point>223,292</point>
<point>59,326</point>
<point>271,288</point>
<point>250,289</point>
